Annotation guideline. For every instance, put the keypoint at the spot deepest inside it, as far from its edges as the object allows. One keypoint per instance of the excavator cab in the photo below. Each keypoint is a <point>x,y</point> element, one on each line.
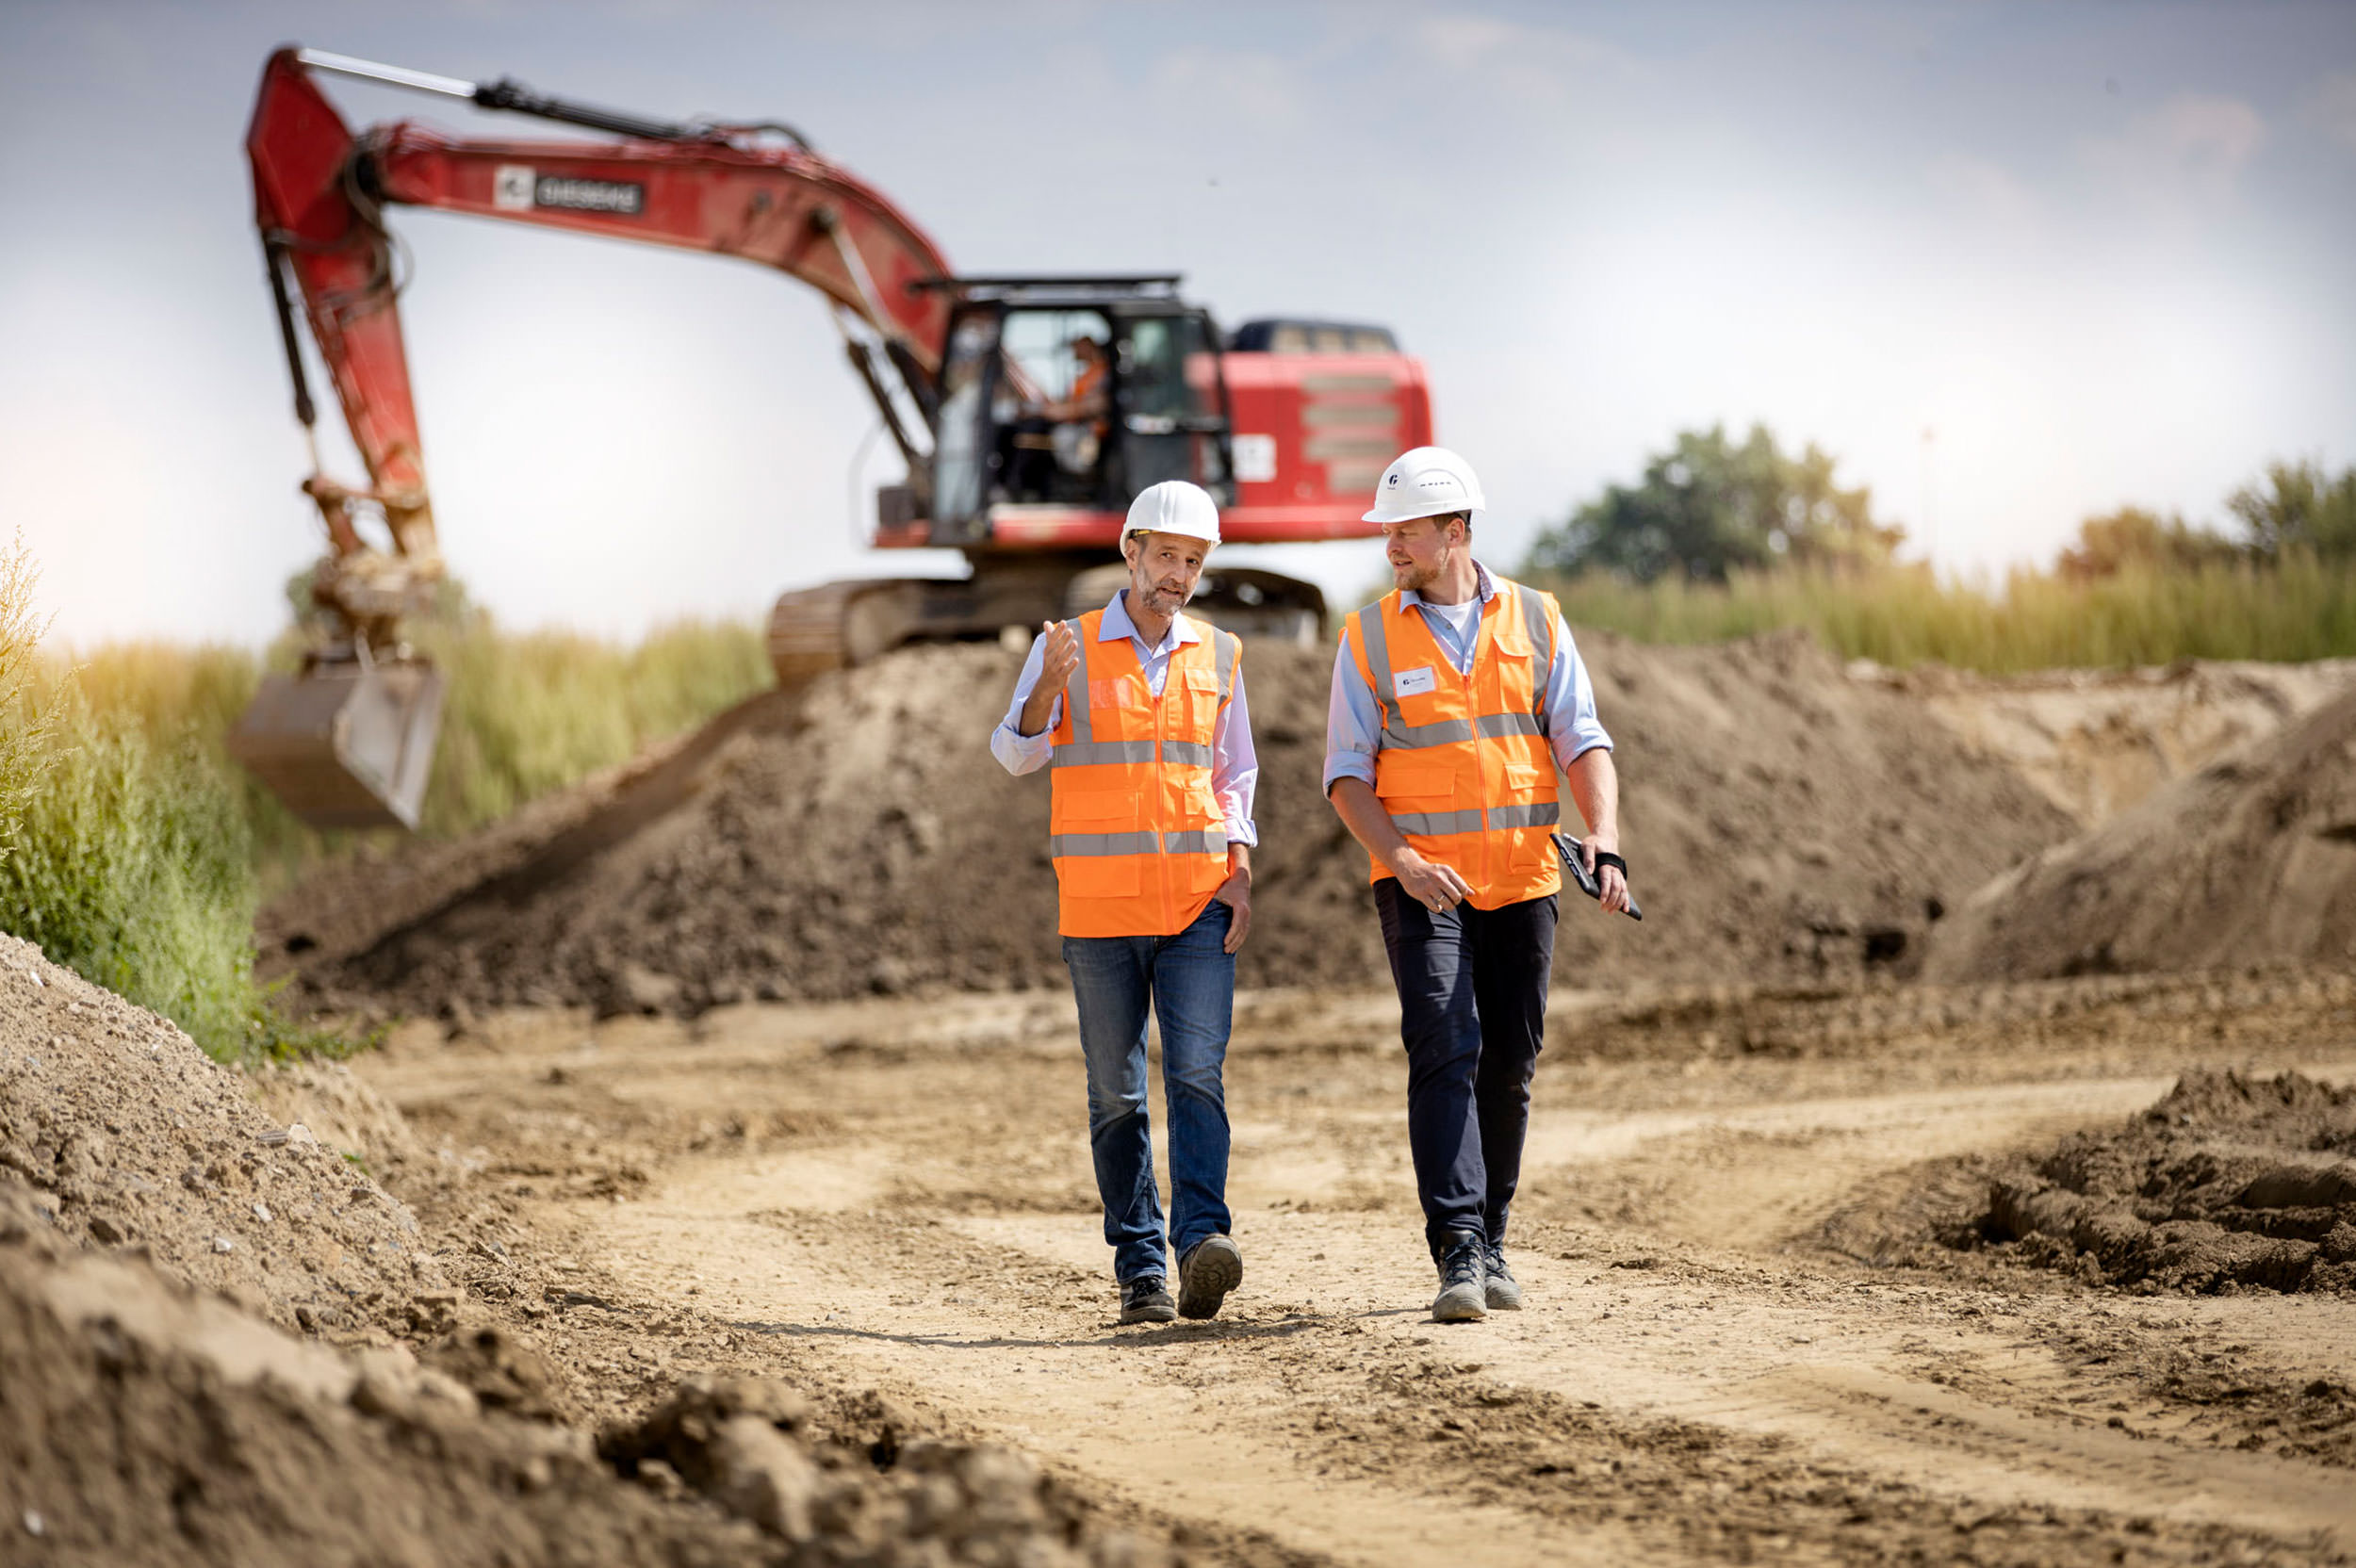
<point>1072,393</point>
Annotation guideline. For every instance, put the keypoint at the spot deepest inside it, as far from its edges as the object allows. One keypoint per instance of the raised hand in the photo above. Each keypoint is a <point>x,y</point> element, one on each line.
<point>1060,657</point>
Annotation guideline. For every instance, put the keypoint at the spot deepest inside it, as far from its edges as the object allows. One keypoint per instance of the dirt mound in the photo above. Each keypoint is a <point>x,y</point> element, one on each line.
<point>1784,821</point>
<point>2251,860</point>
<point>2097,742</point>
<point>159,1233</point>
<point>2227,1182</point>
<point>124,1134</point>
<point>143,1422</point>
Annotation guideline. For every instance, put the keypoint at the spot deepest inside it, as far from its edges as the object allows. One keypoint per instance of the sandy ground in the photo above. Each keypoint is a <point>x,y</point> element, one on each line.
<point>895,1196</point>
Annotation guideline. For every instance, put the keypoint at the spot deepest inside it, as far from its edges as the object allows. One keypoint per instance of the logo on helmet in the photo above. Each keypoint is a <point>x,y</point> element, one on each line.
<point>1393,481</point>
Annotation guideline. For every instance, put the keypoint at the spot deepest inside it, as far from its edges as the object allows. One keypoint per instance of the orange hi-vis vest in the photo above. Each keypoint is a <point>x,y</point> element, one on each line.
<point>1139,839</point>
<point>1462,765</point>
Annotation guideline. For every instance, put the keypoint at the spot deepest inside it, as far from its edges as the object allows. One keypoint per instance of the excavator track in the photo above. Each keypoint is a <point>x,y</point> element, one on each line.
<point>837,624</point>
<point>806,633</point>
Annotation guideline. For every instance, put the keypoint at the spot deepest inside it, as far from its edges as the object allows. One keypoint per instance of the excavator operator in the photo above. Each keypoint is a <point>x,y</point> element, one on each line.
<point>1065,435</point>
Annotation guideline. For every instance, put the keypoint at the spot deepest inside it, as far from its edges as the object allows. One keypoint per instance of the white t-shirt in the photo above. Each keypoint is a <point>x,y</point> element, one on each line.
<point>1460,617</point>
<point>1463,626</point>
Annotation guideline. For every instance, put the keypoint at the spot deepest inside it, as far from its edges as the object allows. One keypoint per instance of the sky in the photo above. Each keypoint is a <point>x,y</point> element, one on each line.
<point>2012,264</point>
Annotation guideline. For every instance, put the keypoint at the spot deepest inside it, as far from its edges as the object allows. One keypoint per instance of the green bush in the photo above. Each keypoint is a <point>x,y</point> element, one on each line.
<point>131,868</point>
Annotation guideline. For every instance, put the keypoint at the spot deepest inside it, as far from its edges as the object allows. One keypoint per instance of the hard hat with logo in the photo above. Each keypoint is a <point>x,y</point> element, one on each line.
<point>1174,506</point>
<point>1428,481</point>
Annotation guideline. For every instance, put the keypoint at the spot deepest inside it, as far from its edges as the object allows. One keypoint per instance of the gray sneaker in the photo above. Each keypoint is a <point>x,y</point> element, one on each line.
<point>1146,1300</point>
<point>1211,1268</point>
<point>1502,1293</point>
<point>1464,1297</point>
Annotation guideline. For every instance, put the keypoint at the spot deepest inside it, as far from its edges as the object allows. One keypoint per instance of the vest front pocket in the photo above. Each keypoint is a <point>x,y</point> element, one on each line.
<point>1196,710</point>
<point>1099,875</point>
<point>1099,811</point>
<point>1405,783</point>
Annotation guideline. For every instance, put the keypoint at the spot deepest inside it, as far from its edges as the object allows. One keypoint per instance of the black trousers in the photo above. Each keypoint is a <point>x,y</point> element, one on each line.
<point>1472,1005</point>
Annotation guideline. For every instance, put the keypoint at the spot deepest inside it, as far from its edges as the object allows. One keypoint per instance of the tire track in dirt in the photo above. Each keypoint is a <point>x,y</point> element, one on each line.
<point>896,1194</point>
<point>1018,1342</point>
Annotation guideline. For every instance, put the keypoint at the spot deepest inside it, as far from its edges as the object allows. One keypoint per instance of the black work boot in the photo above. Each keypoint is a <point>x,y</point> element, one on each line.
<point>1503,1294</point>
<point>1464,1280</point>
<point>1211,1268</point>
<point>1146,1300</point>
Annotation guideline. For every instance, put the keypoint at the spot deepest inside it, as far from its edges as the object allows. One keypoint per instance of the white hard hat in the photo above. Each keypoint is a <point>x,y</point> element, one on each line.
<point>1429,481</point>
<point>1174,506</point>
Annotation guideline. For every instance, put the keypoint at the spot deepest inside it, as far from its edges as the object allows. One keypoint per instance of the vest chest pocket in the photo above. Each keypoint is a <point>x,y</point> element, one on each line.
<point>1405,783</point>
<point>1522,780</point>
<point>1198,690</point>
<point>1097,810</point>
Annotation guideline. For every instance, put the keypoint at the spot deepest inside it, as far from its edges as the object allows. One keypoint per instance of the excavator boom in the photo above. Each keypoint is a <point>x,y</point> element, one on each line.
<point>347,741</point>
<point>1289,422</point>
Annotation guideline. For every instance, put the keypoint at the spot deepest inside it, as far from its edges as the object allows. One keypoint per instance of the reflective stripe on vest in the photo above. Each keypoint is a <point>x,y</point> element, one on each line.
<point>1461,765</point>
<point>1135,831</point>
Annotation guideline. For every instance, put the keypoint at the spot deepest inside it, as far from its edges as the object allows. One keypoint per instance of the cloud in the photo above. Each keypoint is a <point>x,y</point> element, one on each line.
<point>1988,190</point>
<point>2191,148</point>
<point>1537,63</point>
<point>2331,107</point>
<point>1231,86</point>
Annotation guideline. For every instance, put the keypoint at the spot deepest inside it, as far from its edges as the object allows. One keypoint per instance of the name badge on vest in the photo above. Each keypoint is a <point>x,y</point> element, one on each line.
<point>1414,682</point>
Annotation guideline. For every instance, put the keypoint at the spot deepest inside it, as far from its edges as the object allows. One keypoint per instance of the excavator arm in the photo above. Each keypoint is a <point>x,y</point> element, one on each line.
<point>319,196</point>
<point>348,742</point>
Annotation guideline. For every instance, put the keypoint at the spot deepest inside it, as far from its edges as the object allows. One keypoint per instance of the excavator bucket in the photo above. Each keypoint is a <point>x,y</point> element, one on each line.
<point>345,745</point>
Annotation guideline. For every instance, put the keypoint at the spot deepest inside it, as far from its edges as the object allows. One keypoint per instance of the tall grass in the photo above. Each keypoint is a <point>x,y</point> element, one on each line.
<point>2300,608</point>
<point>524,713</point>
<point>131,867</point>
<point>137,852</point>
<point>125,856</point>
<point>531,713</point>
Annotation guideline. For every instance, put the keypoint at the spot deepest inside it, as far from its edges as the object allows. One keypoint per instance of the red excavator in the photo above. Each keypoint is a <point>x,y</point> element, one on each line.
<point>1030,410</point>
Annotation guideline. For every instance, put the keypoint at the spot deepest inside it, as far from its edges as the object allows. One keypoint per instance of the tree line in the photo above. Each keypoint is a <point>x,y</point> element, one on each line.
<point>1711,507</point>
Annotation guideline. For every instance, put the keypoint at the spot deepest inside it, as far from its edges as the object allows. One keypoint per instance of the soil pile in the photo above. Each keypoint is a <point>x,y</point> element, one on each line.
<point>2097,742</point>
<point>119,1132</point>
<point>2227,1182</point>
<point>159,1236</point>
<point>2251,860</point>
<point>1784,821</point>
<point>143,1422</point>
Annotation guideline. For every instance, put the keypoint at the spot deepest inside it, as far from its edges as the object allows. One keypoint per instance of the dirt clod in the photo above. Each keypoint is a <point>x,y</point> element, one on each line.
<point>2229,1182</point>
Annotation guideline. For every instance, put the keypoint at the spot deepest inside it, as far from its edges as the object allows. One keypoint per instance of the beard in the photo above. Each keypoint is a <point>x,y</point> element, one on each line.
<point>1412,578</point>
<point>1164,600</point>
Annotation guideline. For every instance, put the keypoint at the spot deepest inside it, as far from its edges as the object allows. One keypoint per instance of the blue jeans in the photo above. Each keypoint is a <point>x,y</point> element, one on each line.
<point>1472,1005</point>
<point>1190,982</point>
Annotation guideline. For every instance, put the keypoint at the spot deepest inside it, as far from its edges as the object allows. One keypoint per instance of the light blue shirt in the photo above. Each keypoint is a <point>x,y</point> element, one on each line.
<point>1234,765</point>
<point>1353,720</point>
